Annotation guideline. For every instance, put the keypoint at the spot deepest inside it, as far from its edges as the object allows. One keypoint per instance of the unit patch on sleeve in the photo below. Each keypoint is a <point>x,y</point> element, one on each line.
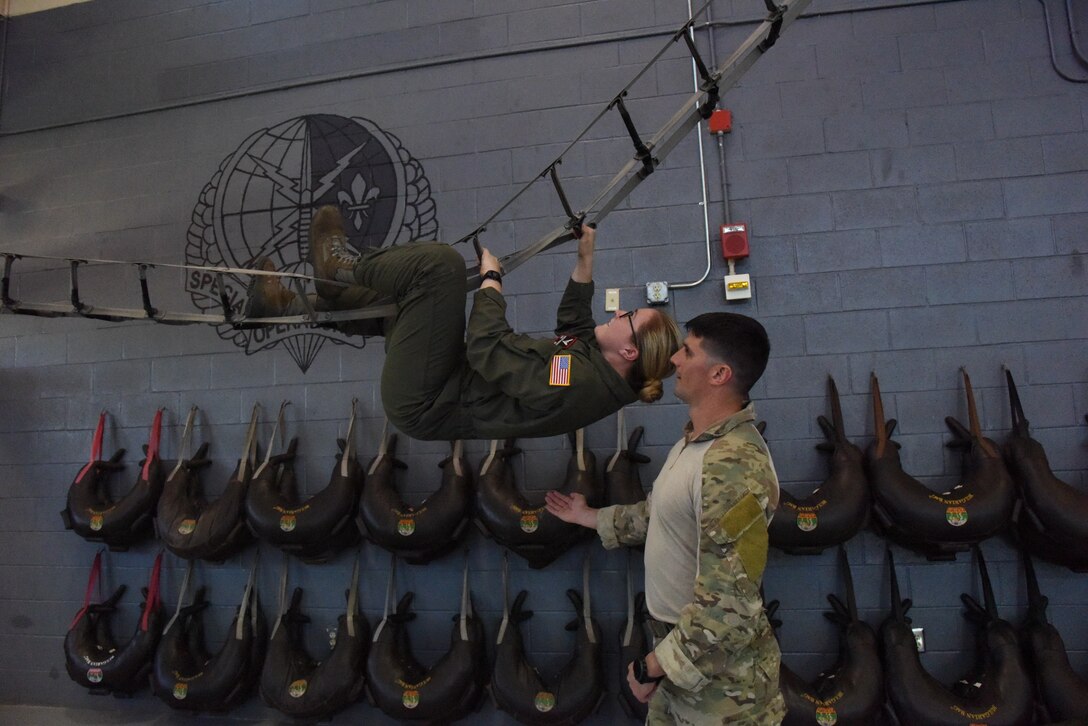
<point>559,373</point>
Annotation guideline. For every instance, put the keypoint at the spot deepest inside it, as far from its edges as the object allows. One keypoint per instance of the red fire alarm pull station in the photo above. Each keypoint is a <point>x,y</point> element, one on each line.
<point>735,241</point>
<point>721,121</point>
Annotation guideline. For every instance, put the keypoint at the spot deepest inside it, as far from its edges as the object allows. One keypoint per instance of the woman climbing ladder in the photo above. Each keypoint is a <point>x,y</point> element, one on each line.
<point>443,380</point>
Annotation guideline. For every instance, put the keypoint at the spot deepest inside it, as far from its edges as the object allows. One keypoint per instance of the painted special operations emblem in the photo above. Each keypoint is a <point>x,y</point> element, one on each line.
<point>94,675</point>
<point>406,527</point>
<point>96,522</point>
<point>410,698</point>
<point>181,690</point>
<point>288,522</point>
<point>261,200</point>
<point>187,526</point>
<point>826,716</point>
<point>297,689</point>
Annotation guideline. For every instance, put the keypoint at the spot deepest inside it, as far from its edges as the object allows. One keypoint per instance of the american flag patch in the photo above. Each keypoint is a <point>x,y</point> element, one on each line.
<point>560,371</point>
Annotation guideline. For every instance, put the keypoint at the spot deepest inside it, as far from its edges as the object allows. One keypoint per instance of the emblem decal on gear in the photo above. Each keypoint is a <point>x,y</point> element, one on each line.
<point>261,199</point>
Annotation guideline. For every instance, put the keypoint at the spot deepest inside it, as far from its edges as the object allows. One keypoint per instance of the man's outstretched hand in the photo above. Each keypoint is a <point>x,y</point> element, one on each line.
<point>571,508</point>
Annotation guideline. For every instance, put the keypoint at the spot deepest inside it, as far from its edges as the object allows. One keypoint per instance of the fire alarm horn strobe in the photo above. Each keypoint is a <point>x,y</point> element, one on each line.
<point>734,241</point>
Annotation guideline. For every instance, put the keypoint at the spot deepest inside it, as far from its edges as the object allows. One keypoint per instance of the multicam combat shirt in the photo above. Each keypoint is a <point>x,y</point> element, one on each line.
<point>705,531</point>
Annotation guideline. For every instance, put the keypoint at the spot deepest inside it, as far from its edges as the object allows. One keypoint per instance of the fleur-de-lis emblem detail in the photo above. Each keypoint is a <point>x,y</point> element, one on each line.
<point>358,202</point>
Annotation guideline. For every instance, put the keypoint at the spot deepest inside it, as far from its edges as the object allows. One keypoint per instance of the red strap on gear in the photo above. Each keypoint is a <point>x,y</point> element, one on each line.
<point>152,594</point>
<point>96,568</point>
<point>152,444</point>
<point>96,448</point>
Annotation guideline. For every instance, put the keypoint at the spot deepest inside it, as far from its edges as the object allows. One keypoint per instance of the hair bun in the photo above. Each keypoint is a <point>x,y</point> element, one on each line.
<point>652,389</point>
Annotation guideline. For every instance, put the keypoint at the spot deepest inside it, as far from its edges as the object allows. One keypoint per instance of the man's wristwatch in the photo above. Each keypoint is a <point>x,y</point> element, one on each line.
<point>642,673</point>
<point>492,275</point>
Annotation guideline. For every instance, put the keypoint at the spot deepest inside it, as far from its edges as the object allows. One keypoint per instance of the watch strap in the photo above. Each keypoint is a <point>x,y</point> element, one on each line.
<point>642,673</point>
<point>492,275</point>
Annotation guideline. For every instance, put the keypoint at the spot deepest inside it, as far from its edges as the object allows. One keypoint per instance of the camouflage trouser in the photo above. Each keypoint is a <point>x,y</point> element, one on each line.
<point>709,706</point>
<point>425,344</point>
<point>712,704</point>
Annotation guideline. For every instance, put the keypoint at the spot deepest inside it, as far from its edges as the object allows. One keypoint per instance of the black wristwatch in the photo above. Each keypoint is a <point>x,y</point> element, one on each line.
<point>492,275</point>
<point>642,673</point>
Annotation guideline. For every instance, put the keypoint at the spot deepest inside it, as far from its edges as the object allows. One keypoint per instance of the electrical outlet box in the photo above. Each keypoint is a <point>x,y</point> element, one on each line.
<point>738,287</point>
<point>611,299</point>
<point>919,639</point>
<point>657,293</point>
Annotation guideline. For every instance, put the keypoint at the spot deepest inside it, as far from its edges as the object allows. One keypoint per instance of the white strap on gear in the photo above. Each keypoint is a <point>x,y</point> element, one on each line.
<point>283,596</point>
<point>353,596</point>
<point>505,597</point>
<point>280,427</point>
<point>586,611</point>
<point>490,457</point>
<point>248,459</point>
<point>390,590</point>
<point>349,441</point>
<point>621,438</point>
<point>247,597</point>
<point>580,447</point>
<point>383,448</point>
<point>466,601</point>
<point>181,596</point>
<point>186,442</point>
<point>458,454</point>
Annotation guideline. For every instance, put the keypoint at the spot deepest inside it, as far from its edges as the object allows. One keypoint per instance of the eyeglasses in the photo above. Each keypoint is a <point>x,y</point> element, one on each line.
<point>630,315</point>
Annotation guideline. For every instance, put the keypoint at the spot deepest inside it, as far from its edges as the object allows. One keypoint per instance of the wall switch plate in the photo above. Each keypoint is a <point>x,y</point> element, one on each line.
<point>919,639</point>
<point>738,287</point>
<point>657,293</point>
<point>611,299</point>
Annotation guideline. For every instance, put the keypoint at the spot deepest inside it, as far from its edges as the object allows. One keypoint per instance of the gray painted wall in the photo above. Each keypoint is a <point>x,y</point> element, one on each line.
<point>915,178</point>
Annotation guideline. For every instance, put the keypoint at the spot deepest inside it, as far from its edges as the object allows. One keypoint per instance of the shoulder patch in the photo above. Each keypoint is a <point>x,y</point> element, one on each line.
<point>559,370</point>
<point>745,527</point>
<point>742,515</point>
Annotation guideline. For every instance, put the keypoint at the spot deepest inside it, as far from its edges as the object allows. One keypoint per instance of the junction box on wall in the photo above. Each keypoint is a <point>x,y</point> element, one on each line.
<point>657,293</point>
<point>721,121</point>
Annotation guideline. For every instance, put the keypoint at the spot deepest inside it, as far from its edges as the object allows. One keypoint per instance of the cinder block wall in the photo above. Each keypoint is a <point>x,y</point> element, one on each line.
<point>913,173</point>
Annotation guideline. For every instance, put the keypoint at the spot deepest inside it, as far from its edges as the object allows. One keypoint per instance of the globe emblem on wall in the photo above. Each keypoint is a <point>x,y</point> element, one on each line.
<point>262,197</point>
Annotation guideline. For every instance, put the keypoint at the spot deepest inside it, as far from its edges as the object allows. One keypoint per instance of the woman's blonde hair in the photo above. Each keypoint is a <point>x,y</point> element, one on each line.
<point>657,340</point>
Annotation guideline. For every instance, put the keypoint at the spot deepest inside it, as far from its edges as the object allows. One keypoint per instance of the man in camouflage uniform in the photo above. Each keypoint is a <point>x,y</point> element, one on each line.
<point>715,659</point>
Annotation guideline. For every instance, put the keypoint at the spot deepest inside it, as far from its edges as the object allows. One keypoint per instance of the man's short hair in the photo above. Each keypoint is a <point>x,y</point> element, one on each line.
<point>736,340</point>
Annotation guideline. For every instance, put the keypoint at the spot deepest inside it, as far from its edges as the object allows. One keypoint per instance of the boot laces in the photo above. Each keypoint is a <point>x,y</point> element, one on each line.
<point>341,251</point>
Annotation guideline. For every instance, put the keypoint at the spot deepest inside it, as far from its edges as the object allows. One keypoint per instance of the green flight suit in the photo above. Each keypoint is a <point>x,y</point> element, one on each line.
<point>497,384</point>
